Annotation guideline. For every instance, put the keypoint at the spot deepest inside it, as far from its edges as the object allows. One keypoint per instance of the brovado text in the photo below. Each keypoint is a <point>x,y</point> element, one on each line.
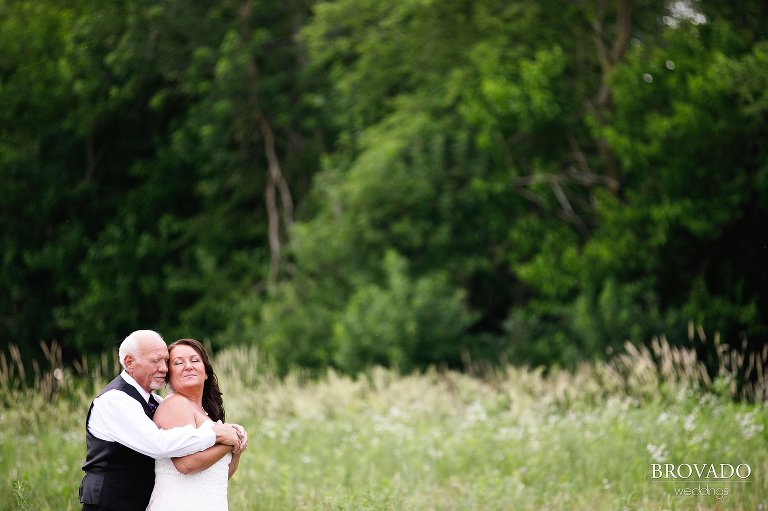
<point>700,471</point>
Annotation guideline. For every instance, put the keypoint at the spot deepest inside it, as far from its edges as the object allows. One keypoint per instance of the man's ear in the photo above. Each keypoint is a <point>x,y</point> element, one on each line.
<point>129,361</point>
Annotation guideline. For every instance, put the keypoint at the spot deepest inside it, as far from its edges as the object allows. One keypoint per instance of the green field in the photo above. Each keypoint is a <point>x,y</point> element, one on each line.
<point>507,439</point>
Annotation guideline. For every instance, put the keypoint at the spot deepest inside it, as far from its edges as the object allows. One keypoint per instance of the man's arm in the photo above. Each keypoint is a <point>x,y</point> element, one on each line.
<point>117,417</point>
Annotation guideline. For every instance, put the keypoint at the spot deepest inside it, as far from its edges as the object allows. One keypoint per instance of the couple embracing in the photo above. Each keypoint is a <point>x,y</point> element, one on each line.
<point>148,453</point>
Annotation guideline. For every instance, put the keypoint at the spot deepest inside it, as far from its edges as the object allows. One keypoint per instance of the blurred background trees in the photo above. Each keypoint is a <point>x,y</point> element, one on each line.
<point>404,183</point>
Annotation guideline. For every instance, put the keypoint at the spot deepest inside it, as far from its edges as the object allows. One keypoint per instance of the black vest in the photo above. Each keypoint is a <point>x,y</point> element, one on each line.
<point>117,477</point>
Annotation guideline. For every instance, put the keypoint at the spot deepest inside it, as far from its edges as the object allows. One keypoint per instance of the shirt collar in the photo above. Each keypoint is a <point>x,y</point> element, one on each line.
<point>129,379</point>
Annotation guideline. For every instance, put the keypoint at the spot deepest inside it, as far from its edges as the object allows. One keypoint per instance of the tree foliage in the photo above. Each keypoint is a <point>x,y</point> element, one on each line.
<point>407,183</point>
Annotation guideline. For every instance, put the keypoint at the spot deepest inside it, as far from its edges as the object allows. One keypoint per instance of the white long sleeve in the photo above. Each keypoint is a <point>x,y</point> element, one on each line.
<point>117,417</point>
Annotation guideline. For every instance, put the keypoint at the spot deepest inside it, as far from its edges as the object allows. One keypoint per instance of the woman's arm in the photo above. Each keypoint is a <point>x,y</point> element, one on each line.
<point>174,412</point>
<point>201,460</point>
<point>233,464</point>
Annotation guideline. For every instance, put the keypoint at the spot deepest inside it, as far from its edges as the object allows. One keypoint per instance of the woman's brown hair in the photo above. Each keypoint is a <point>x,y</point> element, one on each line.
<point>212,401</point>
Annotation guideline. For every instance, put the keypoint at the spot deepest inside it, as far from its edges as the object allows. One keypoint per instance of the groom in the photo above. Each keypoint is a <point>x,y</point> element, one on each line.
<point>121,440</point>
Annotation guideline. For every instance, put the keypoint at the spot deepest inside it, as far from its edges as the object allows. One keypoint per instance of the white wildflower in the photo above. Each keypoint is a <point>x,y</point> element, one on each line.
<point>746,421</point>
<point>690,422</point>
<point>475,413</point>
<point>658,452</point>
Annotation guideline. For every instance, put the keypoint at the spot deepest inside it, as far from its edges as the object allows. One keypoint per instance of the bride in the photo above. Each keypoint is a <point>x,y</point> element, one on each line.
<point>197,482</point>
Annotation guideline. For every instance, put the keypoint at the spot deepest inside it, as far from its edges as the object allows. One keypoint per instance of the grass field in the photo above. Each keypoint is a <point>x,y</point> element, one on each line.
<point>507,439</point>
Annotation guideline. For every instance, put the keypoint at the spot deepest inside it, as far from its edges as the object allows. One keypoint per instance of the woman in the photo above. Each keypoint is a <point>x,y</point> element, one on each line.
<point>198,481</point>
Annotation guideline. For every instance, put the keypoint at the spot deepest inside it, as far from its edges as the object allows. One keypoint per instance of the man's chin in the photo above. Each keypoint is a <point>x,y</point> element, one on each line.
<point>155,385</point>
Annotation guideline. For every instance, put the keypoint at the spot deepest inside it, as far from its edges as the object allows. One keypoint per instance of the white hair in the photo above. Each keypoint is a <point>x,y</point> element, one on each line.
<point>130,345</point>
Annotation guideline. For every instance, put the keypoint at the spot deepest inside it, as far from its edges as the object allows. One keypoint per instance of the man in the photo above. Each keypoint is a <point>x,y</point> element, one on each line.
<point>122,442</point>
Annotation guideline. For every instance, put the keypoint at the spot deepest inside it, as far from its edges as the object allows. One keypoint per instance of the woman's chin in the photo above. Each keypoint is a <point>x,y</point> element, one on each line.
<point>186,383</point>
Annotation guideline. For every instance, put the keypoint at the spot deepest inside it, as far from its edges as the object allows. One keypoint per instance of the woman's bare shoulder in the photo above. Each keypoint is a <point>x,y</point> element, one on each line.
<point>174,411</point>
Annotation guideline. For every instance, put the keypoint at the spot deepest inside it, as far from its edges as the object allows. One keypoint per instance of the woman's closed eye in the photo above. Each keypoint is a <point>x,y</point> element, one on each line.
<point>178,361</point>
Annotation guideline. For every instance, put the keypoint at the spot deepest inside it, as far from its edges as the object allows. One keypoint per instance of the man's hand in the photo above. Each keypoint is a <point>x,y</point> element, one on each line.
<point>243,435</point>
<point>231,434</point>
<point>226,434</point>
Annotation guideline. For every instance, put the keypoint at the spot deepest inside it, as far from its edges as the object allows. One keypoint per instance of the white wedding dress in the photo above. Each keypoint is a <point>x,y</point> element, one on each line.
<point>201,491</point>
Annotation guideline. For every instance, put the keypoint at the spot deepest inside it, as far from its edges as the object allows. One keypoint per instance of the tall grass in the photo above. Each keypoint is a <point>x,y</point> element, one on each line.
<point>485,439</point>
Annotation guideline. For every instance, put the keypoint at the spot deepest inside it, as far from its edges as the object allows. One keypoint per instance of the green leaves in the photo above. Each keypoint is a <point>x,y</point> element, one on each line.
<point>521,95</point>
<point>353,182</point>
<point>691,149</point>
<point>404,323</point>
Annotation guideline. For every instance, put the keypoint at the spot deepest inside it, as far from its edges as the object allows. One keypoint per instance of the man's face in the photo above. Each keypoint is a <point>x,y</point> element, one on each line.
<point>150,365</point>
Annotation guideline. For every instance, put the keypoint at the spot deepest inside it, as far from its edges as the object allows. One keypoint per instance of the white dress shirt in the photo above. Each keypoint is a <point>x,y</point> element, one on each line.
<point>117,417</point>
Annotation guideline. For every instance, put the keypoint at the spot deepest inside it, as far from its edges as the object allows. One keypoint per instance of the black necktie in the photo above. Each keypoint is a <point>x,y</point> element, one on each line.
<point>152,404</point>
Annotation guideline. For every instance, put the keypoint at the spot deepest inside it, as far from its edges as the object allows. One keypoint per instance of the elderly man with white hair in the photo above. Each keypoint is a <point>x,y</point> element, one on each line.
<point>122,441</point>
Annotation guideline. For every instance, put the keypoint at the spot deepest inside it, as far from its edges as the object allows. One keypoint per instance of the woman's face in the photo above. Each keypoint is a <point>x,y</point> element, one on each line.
<point>186,368</point>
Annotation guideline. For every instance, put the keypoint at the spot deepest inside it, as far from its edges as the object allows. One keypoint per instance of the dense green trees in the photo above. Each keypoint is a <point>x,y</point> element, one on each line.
<point>407,183</point>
